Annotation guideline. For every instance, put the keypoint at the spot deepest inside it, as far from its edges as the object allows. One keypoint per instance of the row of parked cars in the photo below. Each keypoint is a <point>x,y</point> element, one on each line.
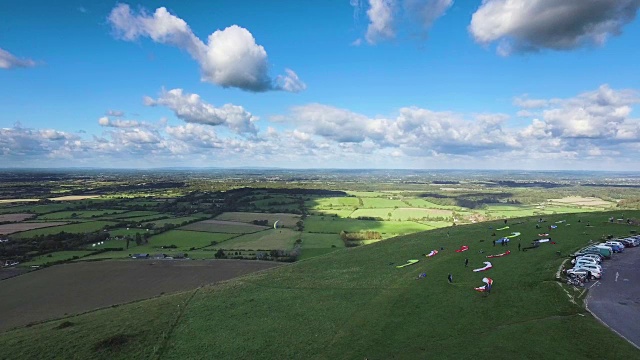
<point>588,261</point>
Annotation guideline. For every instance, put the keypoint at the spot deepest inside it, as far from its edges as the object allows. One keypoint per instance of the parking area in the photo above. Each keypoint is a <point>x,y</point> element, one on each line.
<point>615,298</point>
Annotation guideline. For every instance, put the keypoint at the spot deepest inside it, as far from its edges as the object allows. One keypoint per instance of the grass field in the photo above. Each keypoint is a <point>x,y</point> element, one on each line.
<point>71,228</point>
<point>287,220</point>
<point>85,286</point>
<point>176,221</point>
<point>320,240</point>
<point>219,226</point>
<point>183,240</point>
<point>421,203</point>
<point>382,213</point>
<point>56,256</point>
<point>279,239</point>
<point>333,203</point>
<point>330,212</point>
<point>330,225</point>
<point>134,214</point>
<point>355,304</point>
<point>32,208</point>
<point>82,214</point>
<point>370,203</point>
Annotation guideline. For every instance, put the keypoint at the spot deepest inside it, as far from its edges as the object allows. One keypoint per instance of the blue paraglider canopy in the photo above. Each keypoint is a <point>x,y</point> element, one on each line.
<point>502,240</point>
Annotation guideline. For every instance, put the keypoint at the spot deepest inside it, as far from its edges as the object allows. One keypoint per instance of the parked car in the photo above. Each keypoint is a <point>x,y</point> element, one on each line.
<point>592,258</point>
<point>581,271</point>
<point>596,270</point>
<point>628,242</point>
<point>585,261</point>
<point>614,245</point>
<point>604,251</point>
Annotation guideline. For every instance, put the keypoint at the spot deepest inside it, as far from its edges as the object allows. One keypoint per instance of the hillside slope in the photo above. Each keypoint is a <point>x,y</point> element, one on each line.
<point>355,304</point>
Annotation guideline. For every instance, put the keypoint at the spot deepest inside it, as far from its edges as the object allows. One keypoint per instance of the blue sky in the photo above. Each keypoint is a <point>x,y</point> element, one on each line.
<point>508,84</point>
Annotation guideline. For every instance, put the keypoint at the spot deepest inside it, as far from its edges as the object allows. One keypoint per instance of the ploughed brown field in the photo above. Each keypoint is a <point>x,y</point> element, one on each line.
<point>15,217</point>
<point>74,288</point>
<point>7,229</point>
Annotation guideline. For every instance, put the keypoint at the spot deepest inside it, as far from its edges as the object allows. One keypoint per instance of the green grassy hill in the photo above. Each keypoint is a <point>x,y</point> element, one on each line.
<point>354,303</point>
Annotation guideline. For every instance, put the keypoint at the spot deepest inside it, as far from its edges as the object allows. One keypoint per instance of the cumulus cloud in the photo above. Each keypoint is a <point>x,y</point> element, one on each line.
<point>414,129</point>
<point>562,133</point>
<point>230,58</point>
<point>19,141</point>
<point>192,109</point>
<point>532,25</point>
<point>117,123</point>
<point>10,61</point>
<point>600,114</point>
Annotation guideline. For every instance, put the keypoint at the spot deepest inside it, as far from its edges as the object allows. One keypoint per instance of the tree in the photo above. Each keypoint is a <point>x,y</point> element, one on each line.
<point>220,254</point>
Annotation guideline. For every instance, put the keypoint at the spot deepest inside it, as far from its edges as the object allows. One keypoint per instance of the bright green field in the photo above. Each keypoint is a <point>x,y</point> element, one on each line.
<point>332,202</point>
<point>382,203</point>
<point>355,304</point>
<point>280,239</point>
<point>56,256</point>
<point>414,213</point>
<point>382,213</point>
<point>365,194</point>
<point>85,227</point>
<point>320,240</point>
<point>421,203</point>
<point>331,225</point>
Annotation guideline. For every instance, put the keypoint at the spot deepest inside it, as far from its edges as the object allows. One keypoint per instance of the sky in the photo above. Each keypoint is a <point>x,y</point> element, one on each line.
<point>410,84</point>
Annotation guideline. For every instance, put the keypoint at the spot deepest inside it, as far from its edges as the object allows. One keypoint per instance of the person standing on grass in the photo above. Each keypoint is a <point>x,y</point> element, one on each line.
<point>494,243</point>
<point>466,262</point>
<point>519,246</point>
<point>450,278</point>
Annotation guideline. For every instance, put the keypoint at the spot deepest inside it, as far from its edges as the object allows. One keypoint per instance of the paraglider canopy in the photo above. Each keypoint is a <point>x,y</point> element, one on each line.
<point>275,224</point>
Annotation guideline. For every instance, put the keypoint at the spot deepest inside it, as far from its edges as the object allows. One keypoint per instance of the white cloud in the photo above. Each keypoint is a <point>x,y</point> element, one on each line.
<point>114,113</point>
<point>531,25</point>
<point>603,113</point>
<point>231,57</point>
<point>10,61</point>
<point>381,20</point>
<point>388,17</point>
<point>413,128</point>
<point>569,133</point>
<point>118,123</point>
<point>191,108</point>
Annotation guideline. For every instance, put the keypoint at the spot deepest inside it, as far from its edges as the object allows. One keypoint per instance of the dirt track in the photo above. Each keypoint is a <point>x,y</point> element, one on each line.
<point>79,287</point>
